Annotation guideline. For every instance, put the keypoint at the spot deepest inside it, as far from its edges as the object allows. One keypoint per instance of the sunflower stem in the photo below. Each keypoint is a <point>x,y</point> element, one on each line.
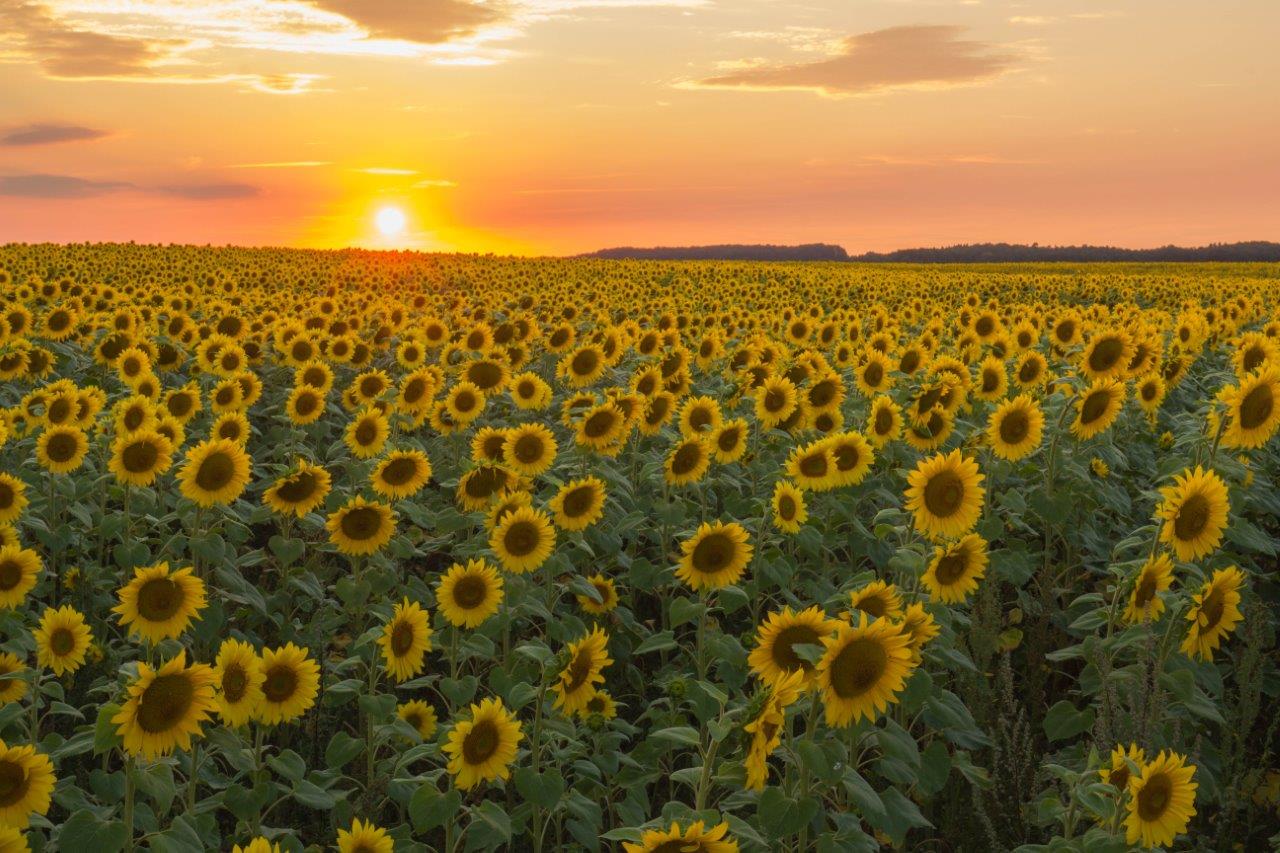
<point>128,803</point>
<point>192,781</point>
<point>35,707</point>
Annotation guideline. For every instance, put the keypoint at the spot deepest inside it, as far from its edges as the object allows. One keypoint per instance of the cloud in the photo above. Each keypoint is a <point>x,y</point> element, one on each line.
<point>421,21</point>
<point>45,186</point>
<point>918,56</point>
<point>200,192</point>
<point>48,134</point>
<point>283,164</point>
<point>65,50</point>
<point>434,183</point>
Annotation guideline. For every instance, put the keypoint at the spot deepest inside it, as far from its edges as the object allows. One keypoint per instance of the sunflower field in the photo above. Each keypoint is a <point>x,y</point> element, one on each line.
<point>391,551</point>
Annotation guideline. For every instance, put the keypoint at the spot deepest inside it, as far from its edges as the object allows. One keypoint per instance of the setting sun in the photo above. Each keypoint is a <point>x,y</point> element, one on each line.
<point>390,221</point>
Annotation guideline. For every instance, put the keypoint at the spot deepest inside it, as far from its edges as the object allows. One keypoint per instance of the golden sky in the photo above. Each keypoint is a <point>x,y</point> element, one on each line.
<point>558,126</point>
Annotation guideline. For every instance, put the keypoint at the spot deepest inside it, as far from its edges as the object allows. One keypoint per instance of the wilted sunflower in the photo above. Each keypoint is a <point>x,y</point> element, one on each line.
<point>1214,613</point>
<point>586,659</point>
<point>1161,801</point>
<point>579,504</point>
<point>696,838</point>
<point>364,837</point>
<point>946,495</point>
<point>607,592</point>
<point>12,686</point>
<point>158,603</point>
<point>523,540</point>
<point>360,526</point>
<point>300,492</point>
<point>789,513</point>
<point>955,569</point>
<point>864,667</point>
<point>239,678</point>
<point>774,657</point>
<point>877,599</point>
<point>215,472</point>
<point>766,729</point>
<point>482,747</point>
<point>13,498</point>
<point>166,707</point>
<point>529,449</point>
<point>1194,510</point>
<point>291,680</point>
<point>19,570</point>
<point>468,595</point>
<point>405,640</point>
<point>61,450</point>
<point>27,779</point>
<point>1145,604</point>
<point>420,716</point>
<point>401,474</point>
<point>1253,409</point>
<point>62,639</point>
<point>715,556</point>
<point>1016,428</point>
<point>1098,407</point>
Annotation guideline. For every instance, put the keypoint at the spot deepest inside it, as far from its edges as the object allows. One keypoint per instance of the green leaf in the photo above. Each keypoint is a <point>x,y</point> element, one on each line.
<point>286,550</point>
<point>684,610</point>
<point>85,831</point>
<point>542,789</point>
<point>104,731</point>
<point>864,796</point>
<point>313,796</point>
<point>658,642</point>
<point>935,766</point>
<point>683,735</point>
<point>342,749</point>
<point>1064,722</point>
<point>781,816</point>
<point>428,808</point>
<point>496,817</point>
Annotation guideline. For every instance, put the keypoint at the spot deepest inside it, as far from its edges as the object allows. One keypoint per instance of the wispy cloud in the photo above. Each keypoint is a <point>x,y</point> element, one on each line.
<point>48,134</point>
<point>923,56</point>
<point>284,164</point>
<point>434,183</point>
<point>384,170</point>
<point>48,186</point>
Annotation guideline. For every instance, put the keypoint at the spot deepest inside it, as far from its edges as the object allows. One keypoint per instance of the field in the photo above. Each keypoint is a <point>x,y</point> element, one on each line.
<point>305,550</point>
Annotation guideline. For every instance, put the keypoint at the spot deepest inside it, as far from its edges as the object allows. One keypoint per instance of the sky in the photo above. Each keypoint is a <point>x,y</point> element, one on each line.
<point>562,126</point>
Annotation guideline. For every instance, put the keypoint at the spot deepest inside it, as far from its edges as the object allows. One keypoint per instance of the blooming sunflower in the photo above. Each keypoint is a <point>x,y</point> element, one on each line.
<point>1194,510</point>
<point>12,685</point>
<point>877,599</point>
<point>468,595</point>
<point>26,784</point>
<point>1098,408</point>
<point>239,677</point>
<point>1214,613</point>
<point>62,639</point>
<point>579,503</point>
<point>367,434</point>
<point>884,422</point>
<point>774,657</point>
<point>137,458</point>
<point>19,569</point>
<point>166,707</point>
<point>256,845</point>
<point>607,592</point>
<point>955,569</point>
<point>158,603</point>
<point>687,462</point>
<point>729,441</point>
<point>61,450</point>
<point>789,512</point>
<point>523,540</point>
<point>853,456</point>
<point>920,627</point>
<point>364,837</point>
<point>401,474</point>
<point>1161,801</point>
<point>1154,577</point>
<point>1253,415</point>
<point>1016,428</point>
<point>715,556</point>
<point>775,400</point>
<point>300,492</point>
<point>587,658</point>
<point>405,640</point>
<point>215,472</point>
<point>864,667</point>
<point>1107,354</point>
<point>305,405</point>
<point>482,747</point>
<point>13,498</point>
<point>361,527</point>
<point>945,494</point>
<point>813,467</point>
<point>529,449</point>
<point>1118,774</point>
<point>291,680</point>
<point>420,715</point>
<point>695,838</point>
<point>766,729</point>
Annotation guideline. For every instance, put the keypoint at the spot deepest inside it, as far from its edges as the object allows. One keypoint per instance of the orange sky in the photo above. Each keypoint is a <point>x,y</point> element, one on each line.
<point>557,126</point>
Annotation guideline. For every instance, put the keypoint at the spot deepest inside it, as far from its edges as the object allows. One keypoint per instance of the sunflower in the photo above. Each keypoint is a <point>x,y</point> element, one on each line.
<point>62,639</point>
<point>215,472</point>
<point>695,838</point>
<point>1031,371</point>
<point>420,716</point>
<point>405,640</point>
<point>1016,428</point>
<point>1149,392</point>
<point>687,462</point>
<point>1107,354</point>
<point>920,627</point>
<point>137,458</point>
<point>813,467</point>
<point>774,657</point>
<point>601,426</point>
<point>1194,510</point>
<point>364,837</point>
<point>775,400</point>
<point>600,703</point>
<point>401,474</point>
<point>877,599</point>
<point>26,784</point>
<point>579,504</point>
<point>61,450</point>
<point>945,494</point>
<point>468,595</point>
<point>257,845</point>
<point>607,592</point>
<point>305,405</point>
<point>1161,801</point>
<point>300,492</point>
<point>166,707</point>
<point>482,747</point>
<point>1253,413</point>
<point>12,686</point>
<point>233,426</point>
<point>955,569</point>
<point>586,659</point>
<point>884,422</point>
<point>291,680</point>
<point>158,604</point>
<point>873,375</point>
<point>464,402</point>
<point>239,677</point>
<point>367,433</point>
<point>863,668</point>
<point>1098,408</point>
<point>789,512</point>
<point>478,487</point>
<point>13,498</point>
<point>853,457</point>
<point>715,556</point>
<point>767,728</point>
<point>1155,577</point>
<point>361,527</point>
<point>19,569</point>
<point>1118,774</point>
<point>523,540</point>
<point>1214,613</point>
<point>529,449</point>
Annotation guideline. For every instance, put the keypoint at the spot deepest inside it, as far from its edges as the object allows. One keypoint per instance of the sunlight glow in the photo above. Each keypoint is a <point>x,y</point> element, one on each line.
<point>390,221</point>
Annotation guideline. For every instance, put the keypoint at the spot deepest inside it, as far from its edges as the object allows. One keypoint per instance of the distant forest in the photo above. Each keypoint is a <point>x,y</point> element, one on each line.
<point>984,253</point>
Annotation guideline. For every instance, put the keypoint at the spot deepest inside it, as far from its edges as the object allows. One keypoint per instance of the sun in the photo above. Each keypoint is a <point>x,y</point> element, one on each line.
<point>390,221</point>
